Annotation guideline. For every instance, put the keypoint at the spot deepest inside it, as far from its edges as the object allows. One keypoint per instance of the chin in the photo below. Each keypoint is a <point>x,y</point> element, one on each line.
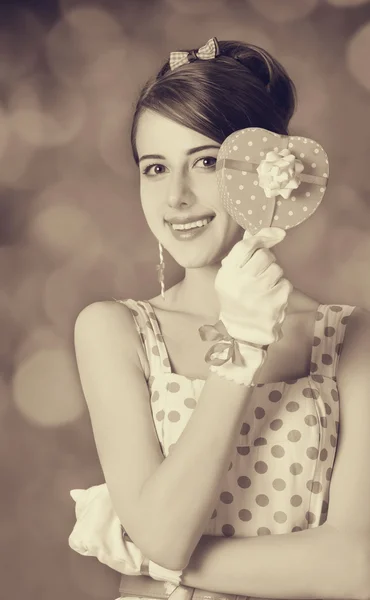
<point>199,265</point>
<point>197,262</point>
<point>204,250</point>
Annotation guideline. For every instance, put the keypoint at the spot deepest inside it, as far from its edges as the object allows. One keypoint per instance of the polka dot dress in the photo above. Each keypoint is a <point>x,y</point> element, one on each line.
<point>279,474</point>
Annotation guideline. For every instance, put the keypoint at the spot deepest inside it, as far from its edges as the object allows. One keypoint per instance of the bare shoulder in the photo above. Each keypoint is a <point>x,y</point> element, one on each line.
<point>94,314</point>
<point>109,326</point>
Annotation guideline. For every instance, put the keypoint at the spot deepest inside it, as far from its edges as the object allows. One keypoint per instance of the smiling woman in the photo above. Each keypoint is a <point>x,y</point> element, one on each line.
<point>227,408</point>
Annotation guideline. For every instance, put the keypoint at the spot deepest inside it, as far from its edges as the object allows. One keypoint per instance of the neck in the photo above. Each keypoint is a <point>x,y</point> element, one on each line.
<point>196,292</point>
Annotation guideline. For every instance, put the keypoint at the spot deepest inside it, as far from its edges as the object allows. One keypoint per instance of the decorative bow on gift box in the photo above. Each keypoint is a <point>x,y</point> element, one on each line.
<point>279,173</point>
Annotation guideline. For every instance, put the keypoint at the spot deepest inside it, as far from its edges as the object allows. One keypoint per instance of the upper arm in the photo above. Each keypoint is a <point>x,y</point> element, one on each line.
<point>116,392</point>
<point>349,504</point>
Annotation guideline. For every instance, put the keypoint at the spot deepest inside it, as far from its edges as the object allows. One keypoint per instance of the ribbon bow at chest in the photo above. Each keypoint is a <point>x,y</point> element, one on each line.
<point>226,347</point>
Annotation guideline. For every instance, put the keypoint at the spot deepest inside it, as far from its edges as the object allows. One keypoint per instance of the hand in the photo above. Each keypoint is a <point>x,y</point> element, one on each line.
<point>253,298</point>
<point>98,532</point>
<point>253,294</point>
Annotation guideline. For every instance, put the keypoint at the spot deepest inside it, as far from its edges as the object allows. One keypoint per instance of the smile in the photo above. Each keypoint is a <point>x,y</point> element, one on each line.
<point>194,224</point>
<point>189,229</point>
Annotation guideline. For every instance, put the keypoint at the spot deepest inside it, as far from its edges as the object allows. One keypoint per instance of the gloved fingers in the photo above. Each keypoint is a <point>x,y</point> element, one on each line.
<point>286,287</point>
<point>241,253</point>
<point>266,238</point>
<point>269,236</point>
<point>259,262</point>
<point>77,544</point>
<point>76,494</point>
<point>280,293</point>
<point>272,275</point>
<point>237,255</point>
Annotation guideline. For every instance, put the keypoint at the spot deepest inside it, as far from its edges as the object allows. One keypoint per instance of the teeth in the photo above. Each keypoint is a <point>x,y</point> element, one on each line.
<point>184,226</point>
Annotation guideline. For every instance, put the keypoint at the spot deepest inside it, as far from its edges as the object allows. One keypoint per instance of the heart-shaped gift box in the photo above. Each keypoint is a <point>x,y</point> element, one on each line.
<point>266,179</point>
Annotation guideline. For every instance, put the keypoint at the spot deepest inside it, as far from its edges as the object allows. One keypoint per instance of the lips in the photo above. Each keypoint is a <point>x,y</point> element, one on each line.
<point>187,220</point>
<point>190,227</point>
<point>191,224</point>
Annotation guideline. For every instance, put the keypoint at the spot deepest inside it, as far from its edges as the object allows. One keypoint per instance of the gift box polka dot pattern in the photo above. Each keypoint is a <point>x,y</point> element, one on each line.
<point>240,184</point>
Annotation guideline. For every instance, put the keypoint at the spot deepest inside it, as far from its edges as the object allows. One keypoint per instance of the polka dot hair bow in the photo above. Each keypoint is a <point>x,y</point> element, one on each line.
<point>266,179</point>
<point>207,52</point>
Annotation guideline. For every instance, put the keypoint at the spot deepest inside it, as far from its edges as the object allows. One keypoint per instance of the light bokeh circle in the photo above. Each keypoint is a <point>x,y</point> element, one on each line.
<point>46,391</point>
<point>65,230</point>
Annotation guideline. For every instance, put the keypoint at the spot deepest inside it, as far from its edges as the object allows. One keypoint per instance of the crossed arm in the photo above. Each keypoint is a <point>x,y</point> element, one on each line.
<point>320,562</point>
<point>331,561</point>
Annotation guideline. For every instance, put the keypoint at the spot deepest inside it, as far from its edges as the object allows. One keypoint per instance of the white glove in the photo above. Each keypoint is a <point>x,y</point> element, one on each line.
<point>253,298</point>
<point>98,533</point>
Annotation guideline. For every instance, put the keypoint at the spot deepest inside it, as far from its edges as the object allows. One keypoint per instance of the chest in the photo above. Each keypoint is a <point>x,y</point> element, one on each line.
<point>289,358</point>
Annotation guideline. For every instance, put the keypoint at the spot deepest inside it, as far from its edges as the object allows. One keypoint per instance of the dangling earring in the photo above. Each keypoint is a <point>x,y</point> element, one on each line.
<point>160,269</point>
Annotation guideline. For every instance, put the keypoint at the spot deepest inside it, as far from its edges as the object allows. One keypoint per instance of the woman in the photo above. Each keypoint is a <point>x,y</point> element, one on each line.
<point>246,447</point>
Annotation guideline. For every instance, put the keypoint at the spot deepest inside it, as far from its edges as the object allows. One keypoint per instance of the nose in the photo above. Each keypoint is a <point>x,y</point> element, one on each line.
<point>180,192</point>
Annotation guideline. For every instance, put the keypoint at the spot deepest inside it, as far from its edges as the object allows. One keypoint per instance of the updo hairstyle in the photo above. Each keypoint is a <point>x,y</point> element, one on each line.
<point>242,87</point>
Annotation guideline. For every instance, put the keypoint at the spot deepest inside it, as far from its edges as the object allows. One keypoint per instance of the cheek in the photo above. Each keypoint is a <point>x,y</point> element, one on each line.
<point>206,190</point>
<point>147,208</point>
<point>152,208</point>
<point>149,200</point>
<point>151,220</point>
<point>152,194</point>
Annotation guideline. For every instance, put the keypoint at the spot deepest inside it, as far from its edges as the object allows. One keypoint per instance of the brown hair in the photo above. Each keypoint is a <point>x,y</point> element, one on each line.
<point>242,87</point>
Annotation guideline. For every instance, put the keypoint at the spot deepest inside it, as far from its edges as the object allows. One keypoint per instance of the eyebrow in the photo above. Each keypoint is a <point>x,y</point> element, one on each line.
<point>188,153</point>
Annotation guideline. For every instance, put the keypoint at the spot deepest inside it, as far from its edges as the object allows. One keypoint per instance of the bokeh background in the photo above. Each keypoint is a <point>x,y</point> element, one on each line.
<point>71,229</point>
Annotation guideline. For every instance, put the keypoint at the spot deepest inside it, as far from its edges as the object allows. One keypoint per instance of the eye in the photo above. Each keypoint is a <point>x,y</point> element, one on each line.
<point>154,169</point>
<point>206,162</point>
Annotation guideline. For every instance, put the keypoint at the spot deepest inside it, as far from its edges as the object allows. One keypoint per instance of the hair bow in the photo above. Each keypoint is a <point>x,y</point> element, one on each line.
<point>226,348</point>
<point>207,52</point>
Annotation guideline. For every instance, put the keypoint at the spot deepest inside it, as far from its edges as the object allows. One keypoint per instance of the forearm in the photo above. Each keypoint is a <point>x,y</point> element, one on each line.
<point>315,563</point>
<point>178,498</point>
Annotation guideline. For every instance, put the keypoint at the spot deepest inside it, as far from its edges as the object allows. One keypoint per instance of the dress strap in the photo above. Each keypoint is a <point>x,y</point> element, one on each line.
<point>149,331</point>
<point>330,328</point>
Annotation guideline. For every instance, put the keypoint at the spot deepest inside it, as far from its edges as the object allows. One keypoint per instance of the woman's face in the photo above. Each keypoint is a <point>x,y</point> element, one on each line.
<point>179,192</point>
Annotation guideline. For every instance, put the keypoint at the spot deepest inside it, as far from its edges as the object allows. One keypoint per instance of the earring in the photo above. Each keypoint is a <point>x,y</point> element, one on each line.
<point>160,269</point>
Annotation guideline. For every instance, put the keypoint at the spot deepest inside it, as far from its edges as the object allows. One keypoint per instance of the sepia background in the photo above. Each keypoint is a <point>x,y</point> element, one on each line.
<point>72,232</point>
